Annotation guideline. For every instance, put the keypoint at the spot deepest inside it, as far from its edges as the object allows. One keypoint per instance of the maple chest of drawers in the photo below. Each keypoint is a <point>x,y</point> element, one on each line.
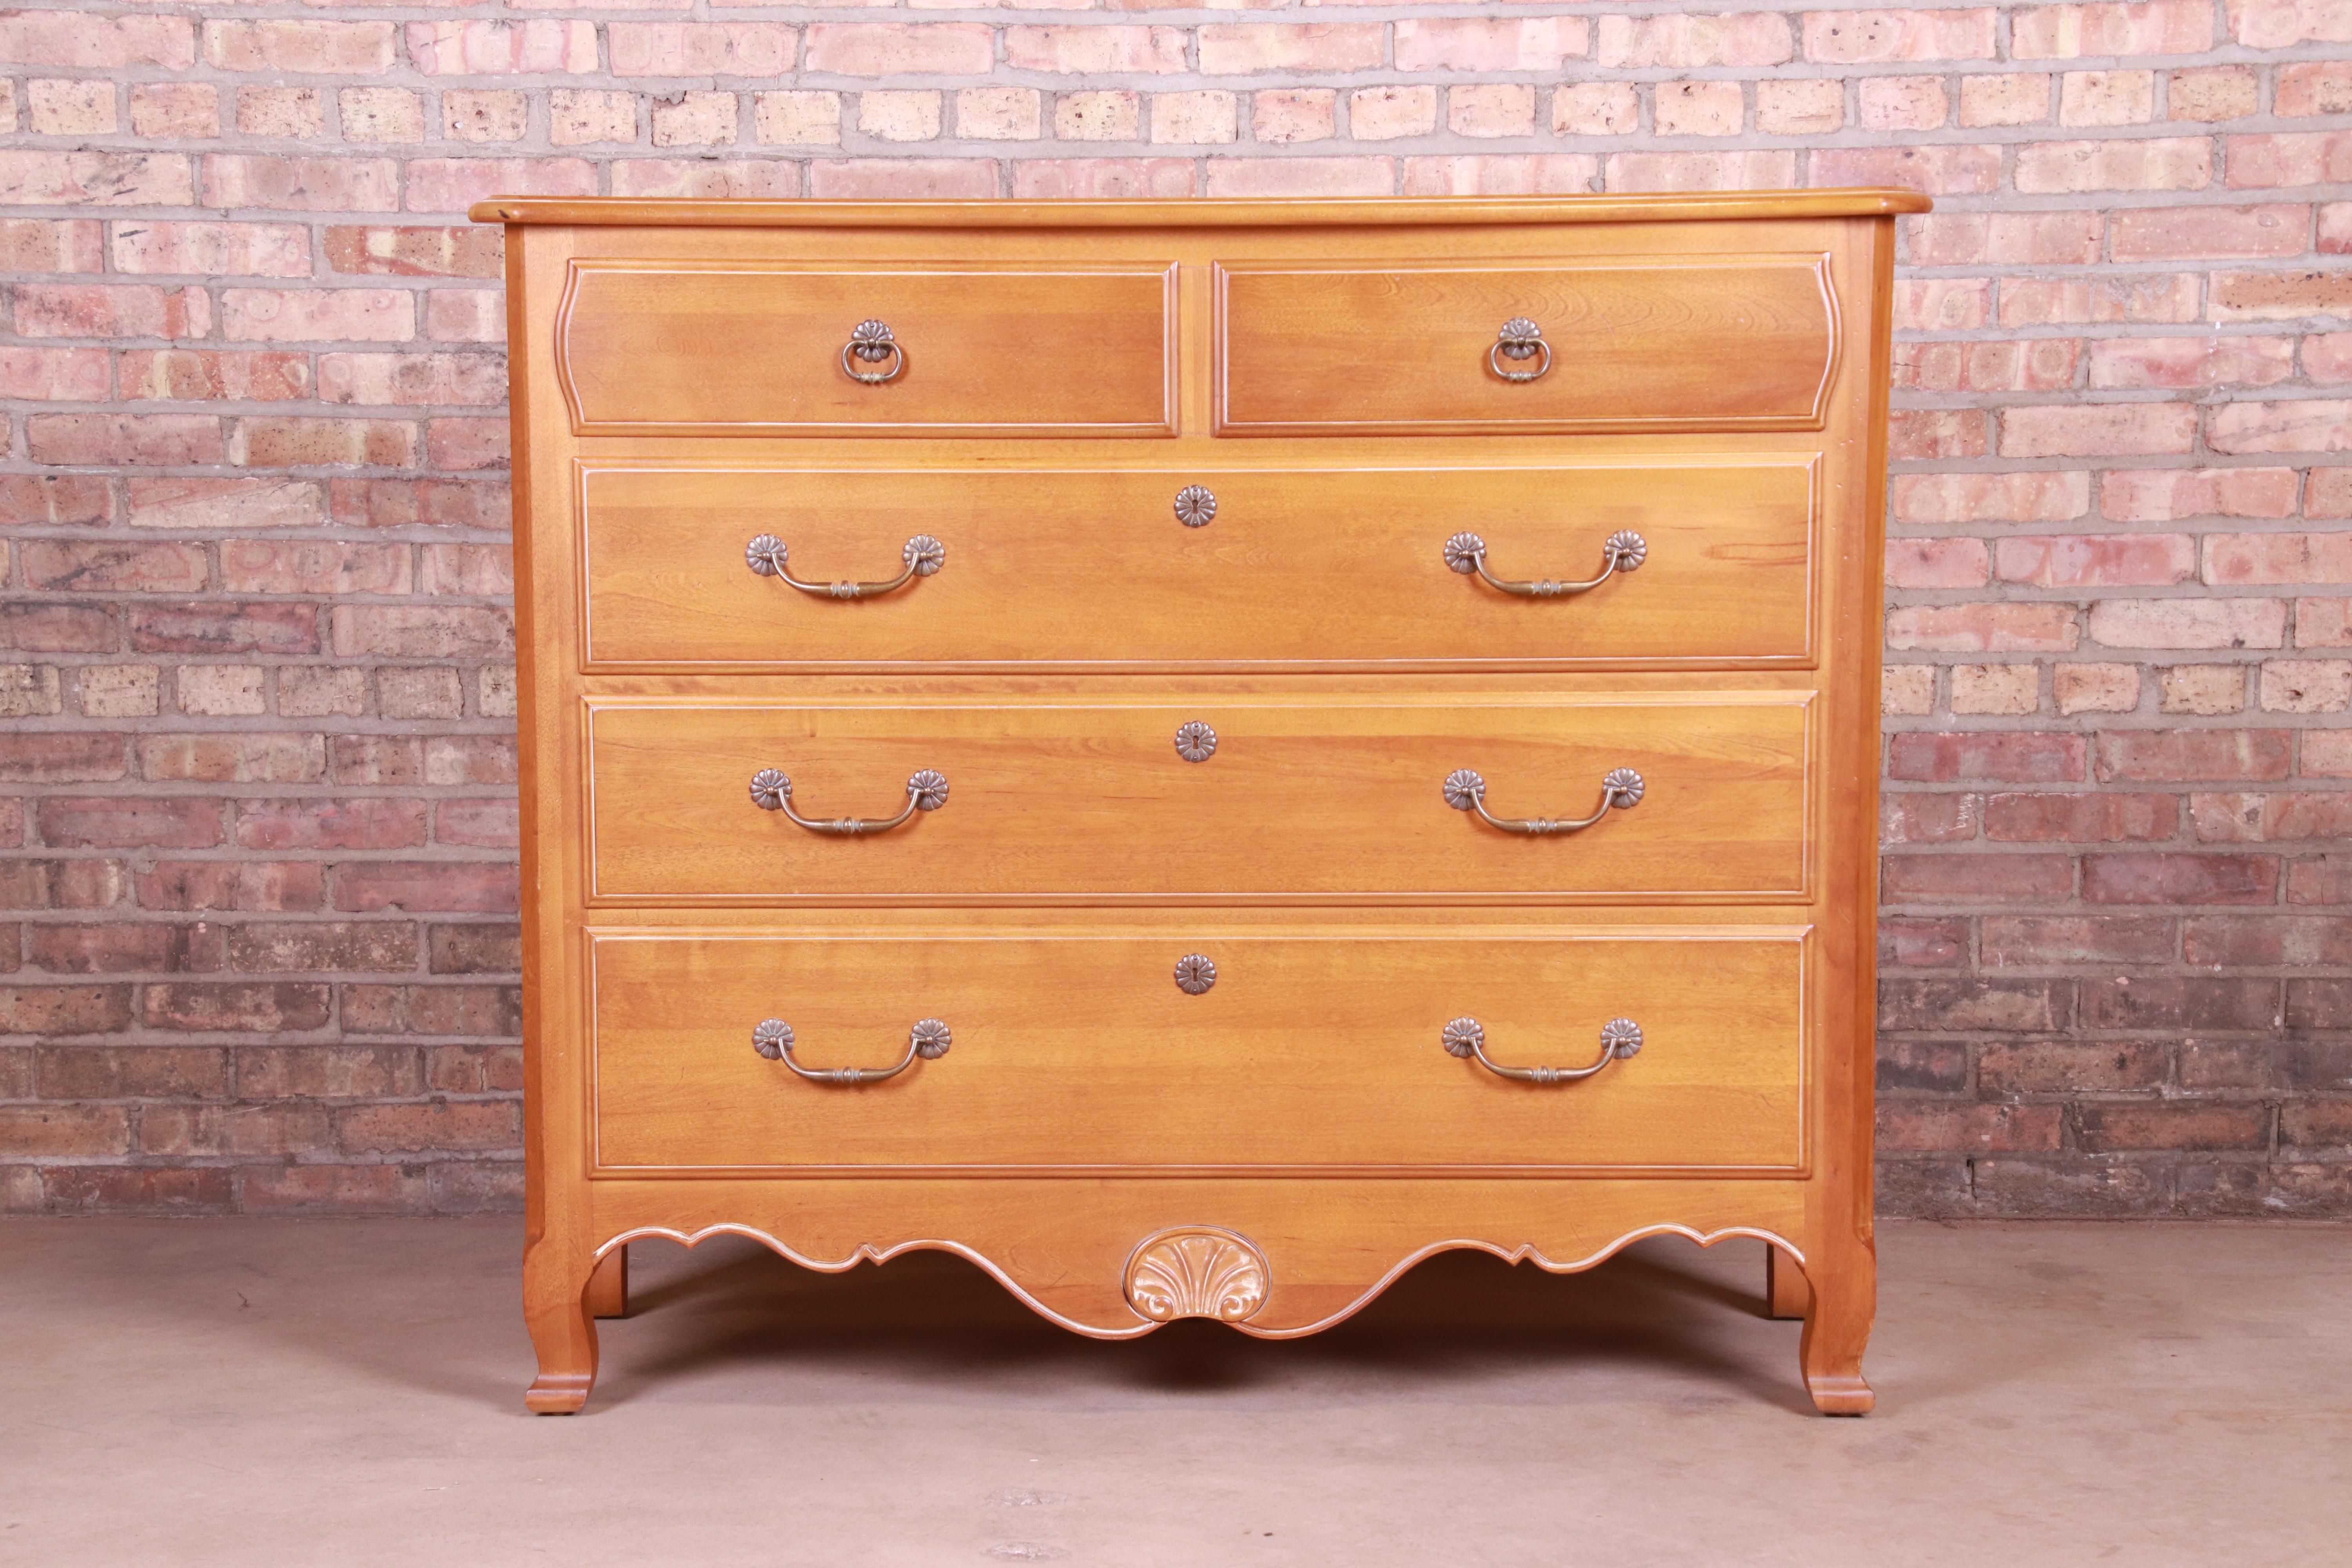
<point>1195,754</point>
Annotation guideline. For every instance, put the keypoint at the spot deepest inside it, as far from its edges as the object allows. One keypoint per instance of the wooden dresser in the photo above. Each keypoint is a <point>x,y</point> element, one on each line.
<point>1195,754</point>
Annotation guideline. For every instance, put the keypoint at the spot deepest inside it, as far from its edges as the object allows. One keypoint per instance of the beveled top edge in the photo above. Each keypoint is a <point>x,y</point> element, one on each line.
<point>1193,213</point>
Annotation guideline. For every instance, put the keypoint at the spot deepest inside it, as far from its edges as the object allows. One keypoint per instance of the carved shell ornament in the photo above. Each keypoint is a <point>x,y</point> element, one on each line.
<point>871,341</point>
<point>1197,1271</point>
<point>1196,506</point>
<point>1518,338</point>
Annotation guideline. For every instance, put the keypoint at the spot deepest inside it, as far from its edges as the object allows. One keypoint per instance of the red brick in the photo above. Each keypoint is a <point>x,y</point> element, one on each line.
<point>1918,816</point>
<point>2001,879</point>
<point>308,45</point>
<point>899,48</point>
<point>2160,879</point>
<point>2167,756</point>
<point>83,42</point>
<point>232,757</point>
<point>234,1006</point>
<point>1285,177</point>
<point>2267,940</point>
<point>900,179</point>
<point>140,440</point>
<point>300,185</point>
<point>2141,27</point>
<point>2167,495</point>
<point>2027,756</point>
<point>467,1010</point>
<point>2258,818</point>
<point>259,885</point>
<point>2279,23</point>
<point>2019,497</point>
<point>311,946</point>
<point>2106,1128</point>
<point>2052,1067</point>
<point>71,566</point>
<point>109,822</point>
<point>2077,561</point>
<point>134,1072</point>
<point>2309,426</point>
<point>1680,40</point>
<point>1919,943</point>
<point>334,1189</point>
<point>1852,38</point>
<point>62,1010</point>
<point>55,501</point>
<point>28,756</point>
<point>1940,169</point>
<point>1081,51</point>
<point>481,824</point>
<point>2300,158</point>
<point>540,46</point>
<point>83,1131</point>
<point>417,252</point>
<point>2067,941</point>
<point>474,1070</point>
<point>2140,363</point>
<point>363,823</point>
<point>2096,818</point>
<point>211,626</point>
<point>437,1127</point>
<point>427,887</point>
<point>327,1072</point>
<point>2190,623</point>
<point>137,1189</point>
<point>2313,87</point>
<point>494,949</point>
<point>1912,1125</point>
<point>1491,44</point>
<point>1984,628</point>
<point>185,375</point>
<point>1951,1006</point>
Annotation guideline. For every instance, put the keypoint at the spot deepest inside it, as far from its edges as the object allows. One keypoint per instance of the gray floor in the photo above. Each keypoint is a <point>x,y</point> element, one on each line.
<point>272,1392</point>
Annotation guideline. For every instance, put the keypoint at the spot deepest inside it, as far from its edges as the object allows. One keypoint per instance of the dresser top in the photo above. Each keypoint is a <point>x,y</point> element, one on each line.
<point>1711,206</point>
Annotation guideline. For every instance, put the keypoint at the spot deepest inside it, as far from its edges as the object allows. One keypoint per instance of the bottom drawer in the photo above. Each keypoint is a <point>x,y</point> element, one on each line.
<point>1308,1051</point>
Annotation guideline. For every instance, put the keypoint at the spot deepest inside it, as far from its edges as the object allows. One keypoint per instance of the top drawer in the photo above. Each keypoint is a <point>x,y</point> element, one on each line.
<point>682,348</point>
<point>1630,343</point>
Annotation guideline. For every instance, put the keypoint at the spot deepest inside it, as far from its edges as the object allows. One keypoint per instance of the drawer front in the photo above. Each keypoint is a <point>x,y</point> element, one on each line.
<point>1745,342</point>
<point>1181,567</point>
<point>1076,1049</point>
<point>1092,799</point>
<point>775,349</point>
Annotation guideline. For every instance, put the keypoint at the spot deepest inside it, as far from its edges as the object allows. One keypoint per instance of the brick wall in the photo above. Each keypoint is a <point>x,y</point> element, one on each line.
<point>256,820</point>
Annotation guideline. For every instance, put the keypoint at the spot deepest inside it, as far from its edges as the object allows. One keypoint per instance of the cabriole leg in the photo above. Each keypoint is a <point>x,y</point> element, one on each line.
<point>608,1287</point>
<point>555,1308</point>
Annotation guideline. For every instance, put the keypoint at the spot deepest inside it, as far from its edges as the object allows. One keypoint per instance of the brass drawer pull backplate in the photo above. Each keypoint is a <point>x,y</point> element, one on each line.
<point>1518,340</point>
<point>1620,1038</point>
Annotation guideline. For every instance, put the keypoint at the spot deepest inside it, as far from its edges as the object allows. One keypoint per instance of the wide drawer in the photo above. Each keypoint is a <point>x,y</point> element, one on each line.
<point>1069,1049</point>
<point>786,349</point>
<point>1094,798</point>
<point>1665,342</point>
<point>1204,567</point>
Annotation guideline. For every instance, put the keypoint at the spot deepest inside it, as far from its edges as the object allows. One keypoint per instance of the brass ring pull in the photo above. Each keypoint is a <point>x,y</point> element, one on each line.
<point>1620,1038</point>
<point>1465,791</point>
<point>772,791</point>
<point>929,1039</point>
<point>870,342</point>
<point>922,555</point>
<point>1621,551</point>
<point>1520,339</point>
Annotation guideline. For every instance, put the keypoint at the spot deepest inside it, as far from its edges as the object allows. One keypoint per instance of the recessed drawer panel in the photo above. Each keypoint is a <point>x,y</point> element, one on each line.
<point>1698,562</point>
<point>1216,798</point>
<point>775,349</point>
<point>1064,1048</point>
<point>1740,342</point>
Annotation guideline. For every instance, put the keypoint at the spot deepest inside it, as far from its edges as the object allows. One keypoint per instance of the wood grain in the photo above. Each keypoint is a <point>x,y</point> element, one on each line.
<point>1088,798</point>
<point>1330,567</point>
<point>677,347</point>
<point>1646,343</point>
<point>1075,1050</point>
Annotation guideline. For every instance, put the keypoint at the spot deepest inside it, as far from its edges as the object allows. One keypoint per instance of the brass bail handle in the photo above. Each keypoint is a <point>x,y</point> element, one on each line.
<point>1518,340</point>
<point>1620,789</point>
<point>1467,1037</point>
<point>870,342</point>
<point>929,1039</point>
<point>921,556</point>
<point>1623,550</point>
<point>926,790</point>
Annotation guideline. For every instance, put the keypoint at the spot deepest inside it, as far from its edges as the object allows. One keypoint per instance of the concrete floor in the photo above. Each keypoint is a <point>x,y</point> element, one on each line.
<point>349,1392</point>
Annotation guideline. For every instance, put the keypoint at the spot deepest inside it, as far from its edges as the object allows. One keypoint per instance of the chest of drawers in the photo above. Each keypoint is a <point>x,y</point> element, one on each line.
<point>1117,739</point>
